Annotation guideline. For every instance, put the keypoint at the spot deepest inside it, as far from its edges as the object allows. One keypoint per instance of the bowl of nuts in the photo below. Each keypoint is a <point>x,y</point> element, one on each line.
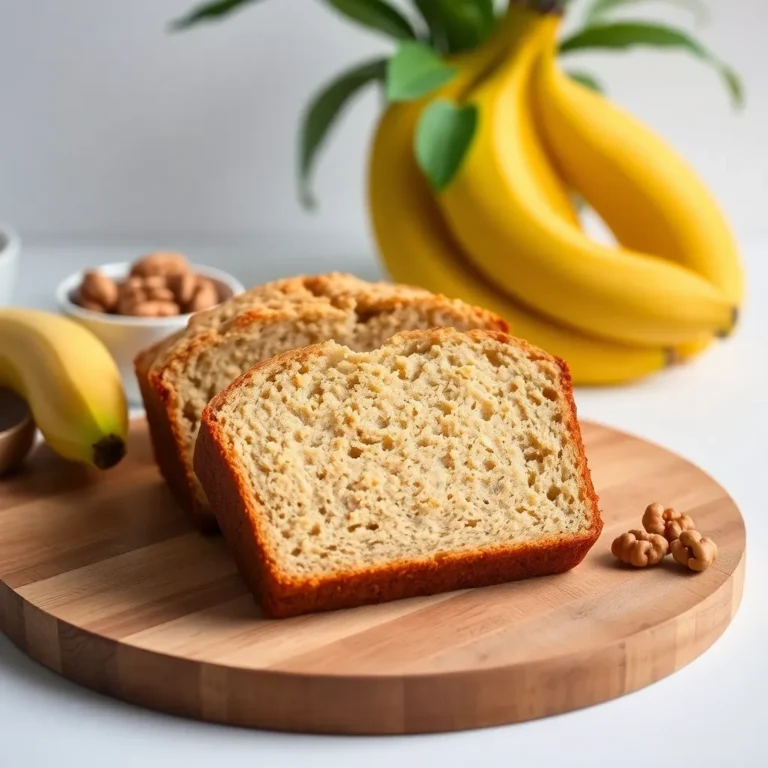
<point>132,305</point>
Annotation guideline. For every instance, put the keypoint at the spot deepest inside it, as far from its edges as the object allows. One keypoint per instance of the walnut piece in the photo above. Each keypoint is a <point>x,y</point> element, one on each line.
<point>204,297</point>
<point>666,522</point>
<point>97,289</point>
<point>161,263</point>
<point>184,287</point>
<point>694,551</point>
<point>93,306</point>
<point>149,308</point>
<point>640,548</point>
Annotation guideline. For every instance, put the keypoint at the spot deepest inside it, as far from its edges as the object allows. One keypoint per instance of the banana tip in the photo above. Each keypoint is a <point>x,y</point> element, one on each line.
<point>735,316</point>
<point>108,451</point>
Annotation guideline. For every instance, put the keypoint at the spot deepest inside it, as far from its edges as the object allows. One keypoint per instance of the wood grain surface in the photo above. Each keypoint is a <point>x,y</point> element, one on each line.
<point>102,581</point>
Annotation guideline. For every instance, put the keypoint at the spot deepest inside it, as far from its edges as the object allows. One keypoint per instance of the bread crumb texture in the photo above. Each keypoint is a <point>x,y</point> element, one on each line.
<point>224,342</point>
<point>436,443</point>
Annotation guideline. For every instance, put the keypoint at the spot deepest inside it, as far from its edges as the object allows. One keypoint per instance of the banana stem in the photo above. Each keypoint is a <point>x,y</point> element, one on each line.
<point>544,7</point>
<point>521,17</point>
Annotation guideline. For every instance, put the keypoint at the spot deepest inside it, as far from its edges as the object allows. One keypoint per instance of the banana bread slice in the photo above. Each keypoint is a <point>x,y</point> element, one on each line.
<point>442,460</point>
<point>181,374</point>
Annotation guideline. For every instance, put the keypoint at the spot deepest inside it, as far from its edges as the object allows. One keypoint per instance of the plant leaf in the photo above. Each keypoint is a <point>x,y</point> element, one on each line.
<point>376,14</point>
<point>322,113</point>
<point>416,70</point>
<point>627,34</point>
<point>209,12</point>
<point>443,136</point>
<point>458,25</point>
<point>598,9</point>
<point>587,80</point>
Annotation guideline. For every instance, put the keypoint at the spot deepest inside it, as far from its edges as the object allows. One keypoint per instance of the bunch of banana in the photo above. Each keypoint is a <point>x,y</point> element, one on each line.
<point>504,233</point>
<point>70,383</point>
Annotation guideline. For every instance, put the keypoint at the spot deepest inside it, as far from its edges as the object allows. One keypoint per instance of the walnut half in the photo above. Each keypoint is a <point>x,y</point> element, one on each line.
<point>666,522</point>
<point>694,551</point>
<point>640,548</point>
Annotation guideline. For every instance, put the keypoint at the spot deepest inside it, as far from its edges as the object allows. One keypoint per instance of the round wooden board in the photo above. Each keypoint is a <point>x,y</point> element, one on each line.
<point>102,580</point>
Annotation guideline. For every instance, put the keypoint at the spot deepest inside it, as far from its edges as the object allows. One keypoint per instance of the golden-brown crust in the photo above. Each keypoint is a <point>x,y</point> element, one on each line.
<point>157,367</point>
<point>574,427</point>
<point>164,445</point>
<point>239,514</point>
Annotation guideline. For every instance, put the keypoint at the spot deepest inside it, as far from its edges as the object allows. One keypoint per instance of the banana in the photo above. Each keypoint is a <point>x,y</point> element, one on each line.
<point>500,215</point>
<point>643,190</point>
<point>70,383</point>
<point>416,246</point>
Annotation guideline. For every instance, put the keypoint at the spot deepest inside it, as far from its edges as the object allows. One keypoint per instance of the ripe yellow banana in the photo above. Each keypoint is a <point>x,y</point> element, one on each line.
<point>500,214</point>
<point>643,190</point>
<point>416,247</point>
<point>70,383</point>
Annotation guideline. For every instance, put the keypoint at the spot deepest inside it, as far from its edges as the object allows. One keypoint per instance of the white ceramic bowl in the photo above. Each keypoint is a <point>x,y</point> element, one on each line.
<point>10,246</point>
<point>126,336</point>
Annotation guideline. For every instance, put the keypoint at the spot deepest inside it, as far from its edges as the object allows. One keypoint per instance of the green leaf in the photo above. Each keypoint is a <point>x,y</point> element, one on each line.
<point>457,25</point>
<point>587,80</point>
<point>323,112</point>
<point>209,12</point>
<point>598,9</point>
<point>627,34</point>
<point>416,70</point>
<point>443,136</point>
<point>376,14</point>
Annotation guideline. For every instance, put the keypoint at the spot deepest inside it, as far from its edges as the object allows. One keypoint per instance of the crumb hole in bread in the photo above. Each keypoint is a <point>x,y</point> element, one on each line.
<point>362,316</point>
<point>355,452</point>
<point>495,358</point>
<point>553,492</point>
<point>550,393</point>
<point>535,398</point>
<point>352,528</point>
<point>372,526</point>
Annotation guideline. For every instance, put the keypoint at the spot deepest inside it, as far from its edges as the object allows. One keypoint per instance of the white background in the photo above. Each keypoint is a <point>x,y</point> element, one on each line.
<point>110,127</point>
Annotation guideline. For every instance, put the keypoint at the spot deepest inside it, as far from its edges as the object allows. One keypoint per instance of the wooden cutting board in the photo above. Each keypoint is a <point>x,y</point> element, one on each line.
<point>102,581</point>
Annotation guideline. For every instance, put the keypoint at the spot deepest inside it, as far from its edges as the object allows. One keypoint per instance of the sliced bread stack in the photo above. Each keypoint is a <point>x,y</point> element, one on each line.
<point>443,459</point>
<point>180,375</point>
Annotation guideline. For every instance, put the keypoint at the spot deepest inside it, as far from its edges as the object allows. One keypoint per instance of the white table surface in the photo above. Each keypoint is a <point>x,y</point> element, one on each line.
<point>715,412</point>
